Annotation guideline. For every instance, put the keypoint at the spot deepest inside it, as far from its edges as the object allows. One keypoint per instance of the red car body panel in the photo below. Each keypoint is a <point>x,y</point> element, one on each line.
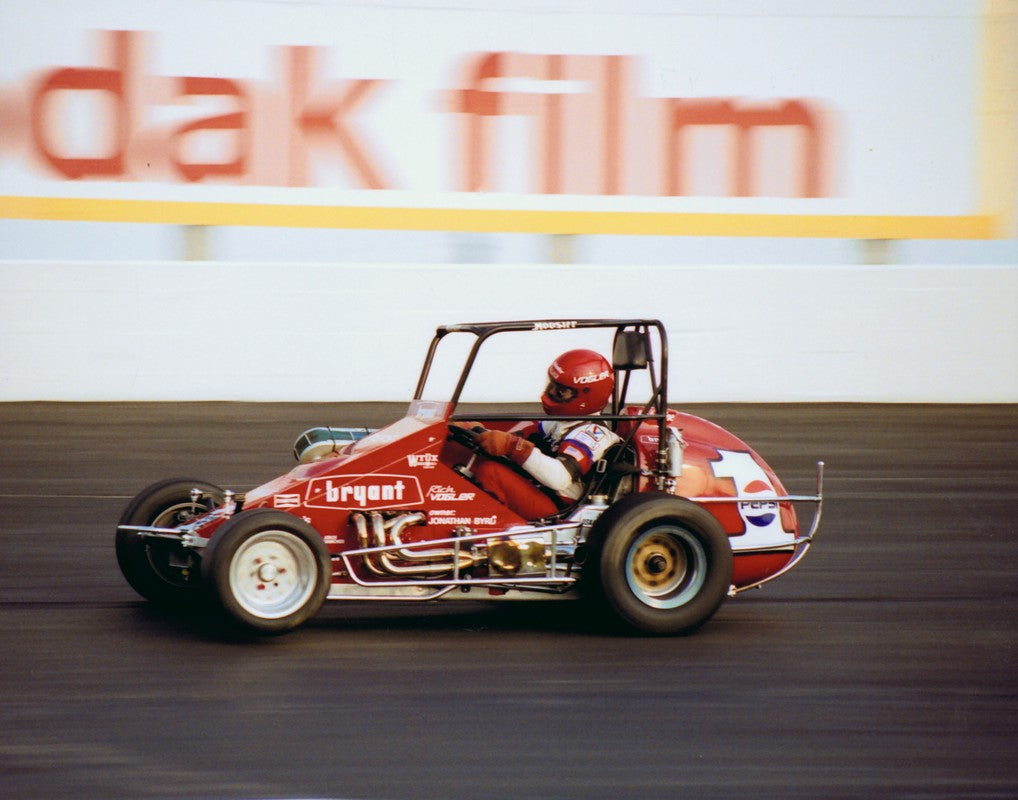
<point>408,465</point>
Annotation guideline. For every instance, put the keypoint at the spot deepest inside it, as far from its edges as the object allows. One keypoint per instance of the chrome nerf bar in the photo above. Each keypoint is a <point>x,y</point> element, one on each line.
<point>801,543</point>
<point>817,498</point>
<point>461,545</point>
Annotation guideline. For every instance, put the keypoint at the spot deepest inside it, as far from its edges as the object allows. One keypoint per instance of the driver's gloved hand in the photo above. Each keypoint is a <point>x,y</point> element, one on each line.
<point>500,443</point>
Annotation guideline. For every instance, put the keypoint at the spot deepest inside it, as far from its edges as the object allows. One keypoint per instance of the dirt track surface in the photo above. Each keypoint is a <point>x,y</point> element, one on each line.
<point>885,665</point>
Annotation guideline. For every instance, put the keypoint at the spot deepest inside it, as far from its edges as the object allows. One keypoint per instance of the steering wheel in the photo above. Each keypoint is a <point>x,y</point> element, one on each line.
<point>466,436</point>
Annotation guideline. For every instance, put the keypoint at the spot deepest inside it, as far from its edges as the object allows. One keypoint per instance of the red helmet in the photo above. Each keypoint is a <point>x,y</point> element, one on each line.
<point>579,382</point>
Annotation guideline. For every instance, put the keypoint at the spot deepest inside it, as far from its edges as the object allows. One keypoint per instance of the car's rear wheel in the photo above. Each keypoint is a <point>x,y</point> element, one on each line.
<point>662,564</point>
<point>162,570</point>
<point>269,570</point>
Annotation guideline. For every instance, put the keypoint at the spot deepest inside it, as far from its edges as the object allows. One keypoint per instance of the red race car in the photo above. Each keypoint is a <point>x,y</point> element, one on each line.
<point>665,514</point>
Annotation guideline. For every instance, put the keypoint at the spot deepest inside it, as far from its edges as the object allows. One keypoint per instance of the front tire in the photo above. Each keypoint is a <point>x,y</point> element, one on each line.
<point>662,564</point>
<point>161,570</point>
<point>269,570</point>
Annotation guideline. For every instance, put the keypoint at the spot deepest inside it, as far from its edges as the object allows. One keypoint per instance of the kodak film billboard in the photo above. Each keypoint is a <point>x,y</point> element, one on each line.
<point>861,119</point>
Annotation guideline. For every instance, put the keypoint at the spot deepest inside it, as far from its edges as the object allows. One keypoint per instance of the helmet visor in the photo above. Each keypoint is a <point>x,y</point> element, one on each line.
<point>559,392</point>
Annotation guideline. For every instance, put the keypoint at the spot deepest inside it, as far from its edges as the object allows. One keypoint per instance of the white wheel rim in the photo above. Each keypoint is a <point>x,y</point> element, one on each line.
<point>273,574</point>
<point>666,567</point>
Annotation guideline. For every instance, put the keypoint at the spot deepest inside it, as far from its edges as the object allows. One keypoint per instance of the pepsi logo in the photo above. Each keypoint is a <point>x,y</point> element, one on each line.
<point>758,513</point>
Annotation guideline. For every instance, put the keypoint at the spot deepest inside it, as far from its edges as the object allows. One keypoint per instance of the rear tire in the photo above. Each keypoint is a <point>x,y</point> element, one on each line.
<point>662,564</point>
<point>161,570</point>
<point>269,570</point>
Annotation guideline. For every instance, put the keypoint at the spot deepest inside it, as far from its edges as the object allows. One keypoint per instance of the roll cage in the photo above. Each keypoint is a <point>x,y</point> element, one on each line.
<point>632,349</point>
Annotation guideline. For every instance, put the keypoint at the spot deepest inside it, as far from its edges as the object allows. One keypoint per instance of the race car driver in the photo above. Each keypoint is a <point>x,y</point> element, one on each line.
<point>556,454</point>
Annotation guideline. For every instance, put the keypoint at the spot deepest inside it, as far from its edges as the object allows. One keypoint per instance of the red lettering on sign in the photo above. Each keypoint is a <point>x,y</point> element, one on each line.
<point>111,82</point>
<point>590,132</point>
<point>321,119</point>
<point>578,135</point>
<point>744,119</point>
<point>591,136</point>
<point>235,121</point>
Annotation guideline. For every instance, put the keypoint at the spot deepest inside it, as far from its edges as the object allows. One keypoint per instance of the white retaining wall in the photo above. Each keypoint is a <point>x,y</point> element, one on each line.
<point>348,332</point>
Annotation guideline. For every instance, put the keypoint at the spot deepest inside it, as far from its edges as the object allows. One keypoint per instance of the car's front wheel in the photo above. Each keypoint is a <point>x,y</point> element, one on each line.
<point>163,570</point>
<point>662,564</point>
<point>269,570</point>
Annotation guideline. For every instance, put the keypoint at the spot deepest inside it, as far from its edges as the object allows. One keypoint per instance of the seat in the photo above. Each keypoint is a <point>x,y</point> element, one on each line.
<point>614,475</point>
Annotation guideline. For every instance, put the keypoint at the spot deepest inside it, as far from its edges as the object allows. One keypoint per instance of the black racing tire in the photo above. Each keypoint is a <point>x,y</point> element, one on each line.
<point>162,570</point>
<point>661,564</point>
<point>270,571</point>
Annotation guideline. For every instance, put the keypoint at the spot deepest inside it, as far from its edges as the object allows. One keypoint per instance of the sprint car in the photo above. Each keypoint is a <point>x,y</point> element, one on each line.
<point>678,516</point>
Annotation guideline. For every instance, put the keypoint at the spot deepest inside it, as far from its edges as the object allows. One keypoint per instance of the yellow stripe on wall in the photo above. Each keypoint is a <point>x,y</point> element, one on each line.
<point>640,223</point>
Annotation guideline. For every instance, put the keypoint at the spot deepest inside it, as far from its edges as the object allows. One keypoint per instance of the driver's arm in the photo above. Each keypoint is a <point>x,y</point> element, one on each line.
<point>557,474</point>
